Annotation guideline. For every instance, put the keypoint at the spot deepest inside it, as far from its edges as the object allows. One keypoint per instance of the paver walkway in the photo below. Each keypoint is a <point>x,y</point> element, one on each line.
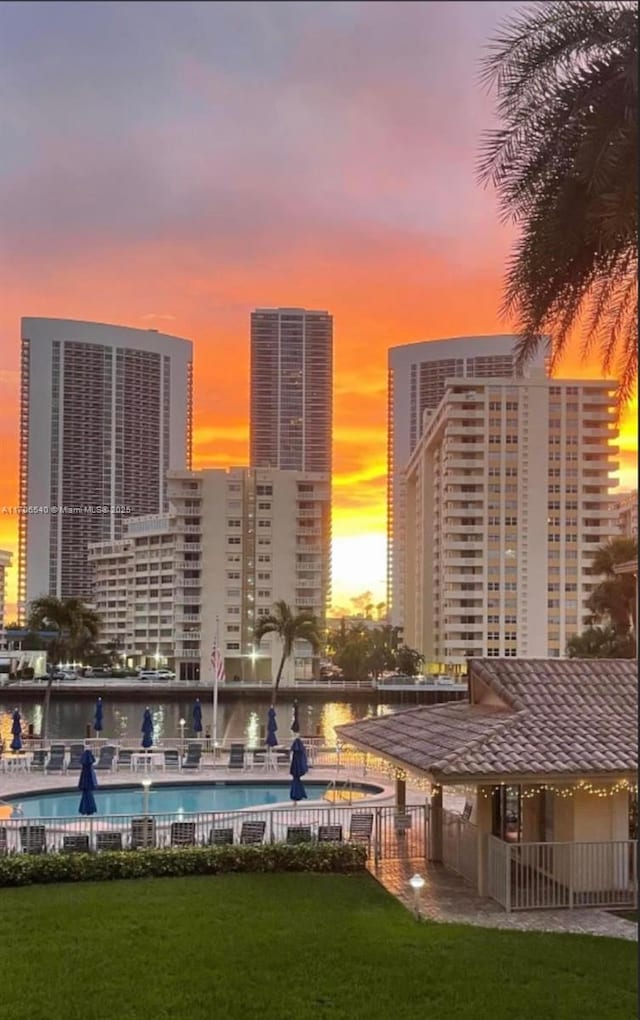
<point>447,897</point>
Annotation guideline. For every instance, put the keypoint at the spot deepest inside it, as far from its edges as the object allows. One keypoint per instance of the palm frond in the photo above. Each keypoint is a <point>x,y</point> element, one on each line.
<point>564,164</point>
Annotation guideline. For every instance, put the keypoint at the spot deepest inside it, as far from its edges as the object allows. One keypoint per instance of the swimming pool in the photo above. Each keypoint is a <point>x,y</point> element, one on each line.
<point>172,798</point>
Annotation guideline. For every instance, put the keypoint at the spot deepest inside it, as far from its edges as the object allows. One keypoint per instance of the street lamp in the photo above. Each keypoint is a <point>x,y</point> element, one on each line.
<point>417,885</point>
<point>182,726</point>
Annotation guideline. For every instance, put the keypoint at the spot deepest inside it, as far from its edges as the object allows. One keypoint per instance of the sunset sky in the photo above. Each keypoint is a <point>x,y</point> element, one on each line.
<point>176,165</point>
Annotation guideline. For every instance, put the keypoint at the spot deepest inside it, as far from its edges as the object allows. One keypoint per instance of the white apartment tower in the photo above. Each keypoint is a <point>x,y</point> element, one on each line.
<point>105,413</point>
<point>291,389</point>
<point>233,543</point>
<point>508,497</point>
<point>418,373</point>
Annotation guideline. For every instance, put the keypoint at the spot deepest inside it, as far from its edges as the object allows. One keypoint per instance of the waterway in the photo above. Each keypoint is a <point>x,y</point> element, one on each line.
<point>242,719</point>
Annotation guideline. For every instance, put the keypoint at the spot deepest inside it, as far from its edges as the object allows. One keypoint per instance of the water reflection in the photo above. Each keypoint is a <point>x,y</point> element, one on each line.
<point>244,719</point>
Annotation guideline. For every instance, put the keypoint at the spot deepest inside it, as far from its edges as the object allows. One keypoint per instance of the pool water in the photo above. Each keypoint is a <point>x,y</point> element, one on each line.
<point>170,798</point>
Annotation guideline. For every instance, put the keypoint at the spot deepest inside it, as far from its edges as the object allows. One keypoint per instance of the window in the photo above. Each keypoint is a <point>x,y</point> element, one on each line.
<point>234,523</point>
<point>264,506</point>
<point>233,541</point>
<point>264,490</point>
<point>264,524</point>
<point>233,575</point>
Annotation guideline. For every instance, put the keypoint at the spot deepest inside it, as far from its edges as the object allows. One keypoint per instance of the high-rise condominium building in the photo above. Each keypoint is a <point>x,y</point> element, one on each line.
<point>291,389</point>
<point>508,498</point>
<point>628,515</point>
<point>234,542</point>
<point>418,374</point>
<point>105,413</point>
<point>5,563</point>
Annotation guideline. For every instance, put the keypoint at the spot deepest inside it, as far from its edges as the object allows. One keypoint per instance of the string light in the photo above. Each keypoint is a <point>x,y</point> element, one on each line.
<point>371,763</point>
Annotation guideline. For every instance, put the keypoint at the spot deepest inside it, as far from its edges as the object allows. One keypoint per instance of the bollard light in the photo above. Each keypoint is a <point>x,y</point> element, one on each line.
<point>417,884</point>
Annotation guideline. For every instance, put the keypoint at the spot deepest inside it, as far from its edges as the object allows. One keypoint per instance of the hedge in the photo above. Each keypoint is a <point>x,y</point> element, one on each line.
<point>34,869</point>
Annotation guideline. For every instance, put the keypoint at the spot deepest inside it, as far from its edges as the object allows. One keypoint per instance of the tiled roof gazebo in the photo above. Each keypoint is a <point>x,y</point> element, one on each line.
<point>536,740</point>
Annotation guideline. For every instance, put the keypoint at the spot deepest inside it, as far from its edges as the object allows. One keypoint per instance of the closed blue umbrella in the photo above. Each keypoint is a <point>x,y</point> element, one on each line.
<point>87,783</point>
<point>147,728</point>
<point>295,722</point>
<point>272,728</point>
<point>197,716</point>
<point>16,729</point>
<point>98,720</point>
<point>298,768</point>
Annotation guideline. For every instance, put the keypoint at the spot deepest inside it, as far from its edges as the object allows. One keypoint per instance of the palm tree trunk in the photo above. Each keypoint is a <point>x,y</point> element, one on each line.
<point>278,678</point>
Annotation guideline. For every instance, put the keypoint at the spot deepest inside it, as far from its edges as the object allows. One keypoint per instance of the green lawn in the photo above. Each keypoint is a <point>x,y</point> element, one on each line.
<point>286,947</point>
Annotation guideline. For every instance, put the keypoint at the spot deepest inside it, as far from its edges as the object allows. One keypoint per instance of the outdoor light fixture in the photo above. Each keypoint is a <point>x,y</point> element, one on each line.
<point>417,884</point>
<point>146,785</point>
<point>182,726</point>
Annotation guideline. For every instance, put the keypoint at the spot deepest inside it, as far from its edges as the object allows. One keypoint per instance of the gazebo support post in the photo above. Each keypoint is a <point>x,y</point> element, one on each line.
<point>435,826</point>
<point>401,794</point>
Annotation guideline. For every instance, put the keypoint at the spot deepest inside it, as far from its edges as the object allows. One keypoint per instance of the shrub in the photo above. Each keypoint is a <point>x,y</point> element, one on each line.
<point>34,869</point>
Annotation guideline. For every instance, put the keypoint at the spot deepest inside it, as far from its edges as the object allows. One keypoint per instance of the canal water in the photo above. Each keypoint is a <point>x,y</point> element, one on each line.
<point>244,720</point>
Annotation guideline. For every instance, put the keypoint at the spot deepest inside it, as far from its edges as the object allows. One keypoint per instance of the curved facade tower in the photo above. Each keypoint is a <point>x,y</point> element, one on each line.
<point>105,413</point>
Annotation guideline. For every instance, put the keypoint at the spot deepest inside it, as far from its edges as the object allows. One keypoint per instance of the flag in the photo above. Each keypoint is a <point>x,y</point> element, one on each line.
<point>217,662</point>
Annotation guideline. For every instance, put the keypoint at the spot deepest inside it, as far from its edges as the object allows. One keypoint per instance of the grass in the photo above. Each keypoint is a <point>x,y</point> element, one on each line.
<point>281,946</point>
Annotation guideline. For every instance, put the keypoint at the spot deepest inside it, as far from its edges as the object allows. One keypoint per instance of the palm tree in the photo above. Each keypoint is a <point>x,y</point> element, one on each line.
<point>77,628</point>
<point>601,643</point>
<point>565,165</point>
<point>288,627</point>
<point>614,599</point>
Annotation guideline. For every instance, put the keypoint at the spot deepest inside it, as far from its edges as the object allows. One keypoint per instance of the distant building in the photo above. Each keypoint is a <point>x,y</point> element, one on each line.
<point>5,563</point>
<point>418,374</point>
<point>291,389</point>
<point>628,515</point>
<point>234,542</point>
<point>105,413</point>
<point>508,498</point>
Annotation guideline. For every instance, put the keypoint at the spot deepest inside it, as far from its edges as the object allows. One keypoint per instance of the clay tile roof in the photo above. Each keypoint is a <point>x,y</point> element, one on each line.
<point>527,717</point>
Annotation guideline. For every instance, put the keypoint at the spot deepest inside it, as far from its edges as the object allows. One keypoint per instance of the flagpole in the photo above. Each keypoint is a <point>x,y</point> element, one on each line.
<point>214,727</point>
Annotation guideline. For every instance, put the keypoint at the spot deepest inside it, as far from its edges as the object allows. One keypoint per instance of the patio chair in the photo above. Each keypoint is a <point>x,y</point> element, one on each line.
<point>75,844</point>
<point>192,757</point>
<point>124,759</point>
<point>172,760</point>
<point>329,834</point>
<point>236,756</point>
<point>282,758</point>
<point>183,834</point>
<point>56,758</point>
<point>75,757</point>
<point>33,839</point>
<point>298,834</point>
<point>109,841</point>
<point>143,833</point>
<point>106,759</point>
<point>38,761</point>
<point>259,758</point>
<point>4,843</point>
<point>221,837</point>
<point>252,832</point>
<point>361,827</point>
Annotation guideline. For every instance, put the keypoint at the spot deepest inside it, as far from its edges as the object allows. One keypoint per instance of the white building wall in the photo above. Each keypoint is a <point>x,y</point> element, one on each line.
<point>508,498</point>
<point>417,374</point>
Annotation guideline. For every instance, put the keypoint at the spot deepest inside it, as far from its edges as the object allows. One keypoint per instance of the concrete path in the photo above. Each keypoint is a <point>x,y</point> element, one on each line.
<point>447,897</point>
